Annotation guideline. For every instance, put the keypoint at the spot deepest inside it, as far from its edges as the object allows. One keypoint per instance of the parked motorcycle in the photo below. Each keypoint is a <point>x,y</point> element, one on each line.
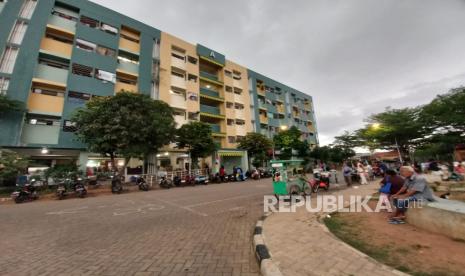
<point>143,186</point>
<point>201,179</point>
<point>166,183</point>
<point>61,191</point>
<point>25,193</point>
<point>255,174</point>
<point>116,183</point>
<point>79,188</point>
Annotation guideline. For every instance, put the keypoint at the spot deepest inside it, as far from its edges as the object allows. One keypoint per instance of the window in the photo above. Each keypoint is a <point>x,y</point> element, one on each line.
<point>154,94</point>
<point>228,73</point>
<point>89,22</point>
<point>104,51</point>
<point>192,78</point>
<point>229,105</point>
<point>8,59</point>
<point>44,121</point>
<point>53,63</point>
<point>155,70</point>
<point>230,122</point>
<point>177,74</point>
<point>194,116</point>
<point>240,122</point>
<point>228,89</point>
<point>78,97</point>
<point>192,60</point>
<point>236,75</point>
<point>108,29</point>
<point>239,106</point>
<point>193,96</point>
<point>4,83</point>
<point>237,91</point>
<point>69,126</point>
<point>17,33</point>
<point>49,92</point>
<point>178,56</point>
<point>82,70</point>
<point>28,9</point>
<point>156,49</point>
<point>85,45</point>
<point>127,57</point>
<point>231,139</point>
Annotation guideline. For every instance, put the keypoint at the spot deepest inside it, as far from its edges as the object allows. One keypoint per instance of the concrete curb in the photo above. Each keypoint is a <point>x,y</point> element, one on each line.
<point>267,266</point>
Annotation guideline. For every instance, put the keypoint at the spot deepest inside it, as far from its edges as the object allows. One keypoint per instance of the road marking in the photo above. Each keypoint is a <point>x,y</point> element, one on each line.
<point>141,209</point>
<point>69,211</point>
<point>183,207</point>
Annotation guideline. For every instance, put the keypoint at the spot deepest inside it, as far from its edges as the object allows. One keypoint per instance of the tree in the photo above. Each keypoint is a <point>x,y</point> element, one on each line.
<point>257,145</point>
<point>197,138</point>
<point>9,105</point>
<point>288,140</point>
<point>11,164</point>
<point>348,140</point>
<point>127,125</point>
<point>393,127</point>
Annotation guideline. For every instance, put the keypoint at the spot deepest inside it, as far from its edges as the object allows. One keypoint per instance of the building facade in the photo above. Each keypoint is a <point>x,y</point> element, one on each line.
<point>57,55</point>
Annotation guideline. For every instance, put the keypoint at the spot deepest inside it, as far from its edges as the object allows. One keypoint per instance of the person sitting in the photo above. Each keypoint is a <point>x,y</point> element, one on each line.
<point>415,189</point>
<point>460,171</point>
<point>390,185</point>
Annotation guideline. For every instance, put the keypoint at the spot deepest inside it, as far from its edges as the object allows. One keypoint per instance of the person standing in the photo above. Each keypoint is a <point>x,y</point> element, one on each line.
<point>222,173</point>
<point>362,173</point>
<point>347,173</point>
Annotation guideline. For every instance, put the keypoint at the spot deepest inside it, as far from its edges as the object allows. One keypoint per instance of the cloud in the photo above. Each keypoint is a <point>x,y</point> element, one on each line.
<point>355,57</point>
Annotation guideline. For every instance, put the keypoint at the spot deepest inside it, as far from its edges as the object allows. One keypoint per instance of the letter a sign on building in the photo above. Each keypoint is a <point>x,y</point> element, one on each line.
<point>212,54</point>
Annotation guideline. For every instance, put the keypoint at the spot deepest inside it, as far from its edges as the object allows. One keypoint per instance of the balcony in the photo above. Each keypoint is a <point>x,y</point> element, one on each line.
<point>62,24</point>
<point>178,100</point>
<point>120,86</point>
<point>128,45</point>
<point>178,81</point>
<point>240,114</point>
<point>56,47</point>
<point>272,108</point>
<point>178,63</point>
<point>270,96</point>
<point>211,94</point>
<point>180,120</point>
<point>211,111</point>
<point>281,109</point>
<point>210,78</point>
<point>263,119</point>
<point>45,104</point>
<point>262,105</point>
<point>273,122</point>
<point>51,75</point>
<point>40,134</point>
<point>216,128</point>
<point>128,67</point>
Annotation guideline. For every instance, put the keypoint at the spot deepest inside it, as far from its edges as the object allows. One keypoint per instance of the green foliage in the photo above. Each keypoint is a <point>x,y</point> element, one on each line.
<point>336,154</point>
<point>9,105</point>
<point>197,138</point>
<point>348,140</point>
<point>62,171</point>
<point>402,125</point>
<point>11,165</point>
<point>288,140</point>
<point>257,145</point>
<point>127,124</point>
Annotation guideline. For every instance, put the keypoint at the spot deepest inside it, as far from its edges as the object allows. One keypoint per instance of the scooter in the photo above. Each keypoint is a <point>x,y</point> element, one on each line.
<point>143,186</point>
<point>255,174</point>
<point>201,179</point>
<point>26,193</point>
<point>61,192</point>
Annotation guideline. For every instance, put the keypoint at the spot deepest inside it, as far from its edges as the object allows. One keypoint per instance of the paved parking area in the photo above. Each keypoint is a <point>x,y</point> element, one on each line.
<point>203,230</point>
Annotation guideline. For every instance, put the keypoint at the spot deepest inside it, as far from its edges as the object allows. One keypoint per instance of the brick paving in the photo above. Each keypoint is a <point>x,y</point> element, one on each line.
<point>203,230</point>
<point>300,245</point>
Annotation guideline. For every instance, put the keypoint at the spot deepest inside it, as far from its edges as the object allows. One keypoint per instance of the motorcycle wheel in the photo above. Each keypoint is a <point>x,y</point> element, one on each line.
<point>19,199</point>
<point>307,191</point>
<point>326,187</point>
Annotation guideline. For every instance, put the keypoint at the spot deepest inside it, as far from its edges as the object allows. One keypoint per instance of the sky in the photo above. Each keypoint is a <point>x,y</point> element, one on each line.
<point>355,57</point>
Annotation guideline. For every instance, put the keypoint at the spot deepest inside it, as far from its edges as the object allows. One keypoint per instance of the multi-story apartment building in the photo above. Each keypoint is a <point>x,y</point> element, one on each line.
<point>58,54</point>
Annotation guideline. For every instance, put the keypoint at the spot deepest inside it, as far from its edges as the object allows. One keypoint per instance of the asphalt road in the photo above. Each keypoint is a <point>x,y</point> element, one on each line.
<point>203,230</point>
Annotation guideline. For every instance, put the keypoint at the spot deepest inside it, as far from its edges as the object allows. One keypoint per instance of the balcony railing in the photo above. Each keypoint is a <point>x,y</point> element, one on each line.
<point>209,92</point>
<point>128,67</point>
<point>210,109</point>
<point>209,76</point>
<point>273,122</point>
<point>56,47</point>
<point>129,45</point>
<point>40,134</point>
<point>119,86</point>
<point>215,128</point>
<point>53,74</point>
<point>62,23</point>
<point>45,104</point>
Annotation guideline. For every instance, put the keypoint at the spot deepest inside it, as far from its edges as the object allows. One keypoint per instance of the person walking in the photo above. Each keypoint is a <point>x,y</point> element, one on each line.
<point>222,173</point>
